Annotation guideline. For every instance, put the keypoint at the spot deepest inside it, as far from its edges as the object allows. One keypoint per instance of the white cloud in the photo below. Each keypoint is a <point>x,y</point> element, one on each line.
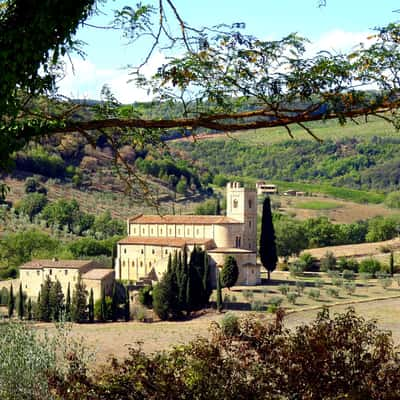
<point>83,79</point>
<point>338,41</point>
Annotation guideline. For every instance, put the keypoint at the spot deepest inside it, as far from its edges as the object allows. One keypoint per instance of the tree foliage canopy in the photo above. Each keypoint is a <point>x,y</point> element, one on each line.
<point>218,78</point>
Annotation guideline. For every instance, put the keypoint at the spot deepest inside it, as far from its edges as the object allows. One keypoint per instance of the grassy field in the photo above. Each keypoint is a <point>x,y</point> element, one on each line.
<point>317,205</point>
<point>330,129</point>
<point>114,339</point>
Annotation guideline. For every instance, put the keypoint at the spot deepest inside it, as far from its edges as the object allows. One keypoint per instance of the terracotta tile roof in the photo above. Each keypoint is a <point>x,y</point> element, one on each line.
<point>183,219</point>
<point>64,264</point>
<point>97,273</point>
<point>166,241</point>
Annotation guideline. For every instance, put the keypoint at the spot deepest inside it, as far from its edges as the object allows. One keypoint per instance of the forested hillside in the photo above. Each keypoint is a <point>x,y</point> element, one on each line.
<point>369,160</point>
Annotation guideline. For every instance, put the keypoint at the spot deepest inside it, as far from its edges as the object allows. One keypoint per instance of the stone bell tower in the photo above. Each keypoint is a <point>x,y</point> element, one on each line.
<point>241,204</point>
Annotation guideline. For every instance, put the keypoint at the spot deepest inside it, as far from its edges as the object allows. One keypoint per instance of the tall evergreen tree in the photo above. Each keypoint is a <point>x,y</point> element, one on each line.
<point>21,303</point>
<point>68,304</point>
<point>218,206</point>
<point>45,313</point>
<point>391,263</point>
<point>219,293</point>
<point>56,300</point>
<point>103,306</point>
<point>114,303</point>
<point>11,302</point>
<point>91,306</point>
<point>127,308</point>
<point>79,300</point>
<point>207,288</point>
<point>229,273</point>
<point>37,306</point>
<point>268,254</point>
<point>29,310</point>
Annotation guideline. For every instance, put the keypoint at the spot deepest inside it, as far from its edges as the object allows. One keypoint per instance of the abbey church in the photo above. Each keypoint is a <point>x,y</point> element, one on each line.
<point>144,253</point>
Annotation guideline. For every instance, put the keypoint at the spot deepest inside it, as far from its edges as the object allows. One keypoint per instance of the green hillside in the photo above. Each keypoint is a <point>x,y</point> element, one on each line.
<point>358,162</point>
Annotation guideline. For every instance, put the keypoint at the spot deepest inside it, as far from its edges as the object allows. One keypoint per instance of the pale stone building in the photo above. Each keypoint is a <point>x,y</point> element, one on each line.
<point>93,275</point>
<point>143,254</point>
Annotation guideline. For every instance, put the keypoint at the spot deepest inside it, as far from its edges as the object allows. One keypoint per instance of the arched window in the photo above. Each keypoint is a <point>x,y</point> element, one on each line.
<point>235,203</point>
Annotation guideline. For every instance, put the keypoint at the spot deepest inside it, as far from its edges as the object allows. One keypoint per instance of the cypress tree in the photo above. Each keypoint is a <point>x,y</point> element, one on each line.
<point>219,293</point>
<point>103,306</point>
<point>391,263</point>
<point>21,303</point>
<point>114,304</point>
<point>91,307</point>
<point>68,304</point>
<point>169,266</point>
<point>45,310</point>
<point>182,279</point>
<point>207,290</point>
<point>11,302</point>
<point>127,311</point>
<point>229,272</point>
<point>29,311</point>
<point>78,304</point>
<point>268,253</point>
<point>218,206</point>
<point>56,300</point>
<point>37,306</point>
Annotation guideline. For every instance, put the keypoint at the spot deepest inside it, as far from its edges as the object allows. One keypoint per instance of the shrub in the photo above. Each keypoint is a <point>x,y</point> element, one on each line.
<point>292,297</point>
<point>350,287</point>
<point>314,294</point>
<point>284,289</point>
<point>230,324</point>
<point>229,272</point>
<point>348,275</point>
<point>275,301</point>
<point>300,287</point>
<point>370,265</point>
<point>333,274</point>
<point>296,269</point>
<point>257,305</point>
<point>307,261</point>
<point>386,282</point>
<point>365,277</point>
<point>337,282</point>
<point>319,283</point>
<point>146,296</point>
<point>139,313</point>
<point>332,292</point>
<point>227,298</point>
<point>347,263</point>
<point>328,262</point>
<point>272,308</point>
<point>248,294</point>
<point>351,357</point>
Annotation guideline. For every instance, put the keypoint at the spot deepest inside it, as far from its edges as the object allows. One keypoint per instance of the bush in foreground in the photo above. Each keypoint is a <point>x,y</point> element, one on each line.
<point>331,358</point>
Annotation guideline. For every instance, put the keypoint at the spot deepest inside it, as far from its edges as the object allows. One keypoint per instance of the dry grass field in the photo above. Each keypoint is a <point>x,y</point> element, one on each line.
<point>338,211</point>
<point>114,339</point>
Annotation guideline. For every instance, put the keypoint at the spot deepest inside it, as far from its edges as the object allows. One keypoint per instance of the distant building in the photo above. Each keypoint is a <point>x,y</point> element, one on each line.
<point>93,275</point>
<point>266,188</point>
<point>152,238</point>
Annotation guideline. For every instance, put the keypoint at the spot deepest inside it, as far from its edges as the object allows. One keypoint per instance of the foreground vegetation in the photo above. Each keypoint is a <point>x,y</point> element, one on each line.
<point>343,356</point>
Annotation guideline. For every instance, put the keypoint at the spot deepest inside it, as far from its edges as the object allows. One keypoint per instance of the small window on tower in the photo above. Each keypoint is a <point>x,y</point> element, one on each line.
<point>250,203</point>
<point>235,203</point>
<point>249,224</point>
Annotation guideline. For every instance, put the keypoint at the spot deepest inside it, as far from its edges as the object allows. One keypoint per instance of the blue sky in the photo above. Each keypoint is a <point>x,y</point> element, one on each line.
<point>338,26</point>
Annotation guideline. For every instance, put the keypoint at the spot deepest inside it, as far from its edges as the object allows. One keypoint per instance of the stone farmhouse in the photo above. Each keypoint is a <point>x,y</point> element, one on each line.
<point>143,254</point>
<point>93,275</point>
